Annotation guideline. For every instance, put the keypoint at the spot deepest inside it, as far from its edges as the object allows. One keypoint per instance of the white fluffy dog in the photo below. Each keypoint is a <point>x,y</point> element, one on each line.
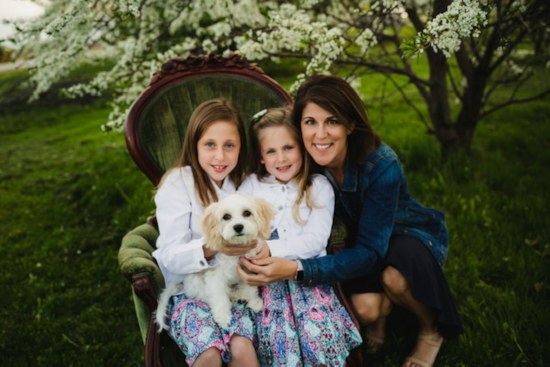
<point>236,219</point>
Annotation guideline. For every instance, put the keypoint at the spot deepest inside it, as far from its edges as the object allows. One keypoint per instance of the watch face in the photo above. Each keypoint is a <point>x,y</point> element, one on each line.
<point>300,276</point>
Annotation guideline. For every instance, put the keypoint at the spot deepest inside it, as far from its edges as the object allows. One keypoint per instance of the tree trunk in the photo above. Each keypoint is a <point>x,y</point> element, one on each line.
<point>437,101</point>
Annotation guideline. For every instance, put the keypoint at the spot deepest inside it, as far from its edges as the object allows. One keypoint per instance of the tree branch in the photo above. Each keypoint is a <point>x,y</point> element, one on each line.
<point>385,69</point>
<point>411,104</point>
<point>515,101</point>
<point>456,90</point>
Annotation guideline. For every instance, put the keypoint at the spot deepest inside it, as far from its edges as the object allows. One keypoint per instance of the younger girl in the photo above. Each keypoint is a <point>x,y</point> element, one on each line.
<point>298,326</point>
<point>209,169</point>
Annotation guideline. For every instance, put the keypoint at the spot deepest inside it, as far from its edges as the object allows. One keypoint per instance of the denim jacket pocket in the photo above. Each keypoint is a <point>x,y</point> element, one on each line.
<point>428,220</point>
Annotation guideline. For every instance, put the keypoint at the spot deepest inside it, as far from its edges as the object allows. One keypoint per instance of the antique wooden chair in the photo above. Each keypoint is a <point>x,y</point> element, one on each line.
<point>154,132</point>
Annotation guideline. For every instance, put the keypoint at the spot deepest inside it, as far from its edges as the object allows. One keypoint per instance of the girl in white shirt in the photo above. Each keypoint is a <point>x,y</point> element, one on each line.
<point>210,168</point>
<point>299,325</point>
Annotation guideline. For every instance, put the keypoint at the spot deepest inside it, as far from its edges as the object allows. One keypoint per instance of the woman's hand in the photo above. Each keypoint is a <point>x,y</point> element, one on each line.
<point>265,271</point>
<point>237,250</point>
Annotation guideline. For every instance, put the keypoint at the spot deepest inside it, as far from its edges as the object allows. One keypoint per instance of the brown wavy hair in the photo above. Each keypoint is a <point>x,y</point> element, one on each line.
<point>338,97</point>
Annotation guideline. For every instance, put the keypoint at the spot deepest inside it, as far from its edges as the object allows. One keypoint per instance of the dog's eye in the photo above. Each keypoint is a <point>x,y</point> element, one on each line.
<point>226,217</point>
<point>246,213</point>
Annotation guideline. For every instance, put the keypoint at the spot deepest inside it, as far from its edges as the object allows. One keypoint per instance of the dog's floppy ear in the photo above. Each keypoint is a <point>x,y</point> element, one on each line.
<point>265,213</point>
<point>210,224</point>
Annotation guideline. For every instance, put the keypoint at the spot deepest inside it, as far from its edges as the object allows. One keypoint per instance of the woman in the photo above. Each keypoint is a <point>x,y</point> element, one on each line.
<point>396,248</point>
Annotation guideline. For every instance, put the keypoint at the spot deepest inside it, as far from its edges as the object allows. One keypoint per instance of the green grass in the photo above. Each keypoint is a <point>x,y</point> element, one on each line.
<point>66,190</point>
<point>69,192</point>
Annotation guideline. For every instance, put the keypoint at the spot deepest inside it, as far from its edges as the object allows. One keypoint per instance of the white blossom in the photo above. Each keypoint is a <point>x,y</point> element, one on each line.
<point>137,36</point>
<point>463,18</point>
<point>514,68</point>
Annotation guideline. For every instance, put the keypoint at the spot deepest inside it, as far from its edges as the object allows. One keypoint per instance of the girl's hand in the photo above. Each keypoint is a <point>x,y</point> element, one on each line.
<point>237,250</point>
<point>265,271</point>
<point>208,253</point>
<point>263,253</point>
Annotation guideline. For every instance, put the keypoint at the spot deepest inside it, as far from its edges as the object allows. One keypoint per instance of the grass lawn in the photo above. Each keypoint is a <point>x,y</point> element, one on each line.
<point>69,192</point>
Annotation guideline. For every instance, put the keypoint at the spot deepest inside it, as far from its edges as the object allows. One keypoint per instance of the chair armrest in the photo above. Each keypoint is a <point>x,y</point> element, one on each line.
<point>135,255</point>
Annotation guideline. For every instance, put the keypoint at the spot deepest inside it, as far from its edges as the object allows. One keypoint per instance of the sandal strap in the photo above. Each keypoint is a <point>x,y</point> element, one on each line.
<point>418,362</point>
<point>375,338</point>
<point>434,339</point>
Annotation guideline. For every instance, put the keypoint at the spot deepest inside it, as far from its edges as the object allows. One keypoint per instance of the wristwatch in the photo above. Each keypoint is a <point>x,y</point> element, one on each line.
<point>299,277</point>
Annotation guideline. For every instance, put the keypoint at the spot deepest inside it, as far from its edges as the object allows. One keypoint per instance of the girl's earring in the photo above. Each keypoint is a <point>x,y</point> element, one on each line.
<point>348,133</point>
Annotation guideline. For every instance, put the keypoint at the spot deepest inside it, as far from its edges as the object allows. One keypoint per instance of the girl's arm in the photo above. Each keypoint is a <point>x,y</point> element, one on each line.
<point>312,238</point>
<point>177,253</point>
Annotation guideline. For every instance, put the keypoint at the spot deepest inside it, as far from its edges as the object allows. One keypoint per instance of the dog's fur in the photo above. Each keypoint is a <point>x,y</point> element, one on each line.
<point>236,219</point>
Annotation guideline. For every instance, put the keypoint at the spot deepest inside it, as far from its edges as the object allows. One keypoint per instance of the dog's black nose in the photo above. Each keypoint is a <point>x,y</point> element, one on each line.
<point>238,228</point>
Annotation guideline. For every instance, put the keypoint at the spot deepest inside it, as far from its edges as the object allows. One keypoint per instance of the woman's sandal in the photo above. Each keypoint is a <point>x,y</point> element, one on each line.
<point>375,339</point>
<point>434,339</point>
<point>375,344</point>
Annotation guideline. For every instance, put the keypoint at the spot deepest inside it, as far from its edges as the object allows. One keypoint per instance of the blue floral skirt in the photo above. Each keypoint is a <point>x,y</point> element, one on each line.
<point>303,326</point>
<point>193,328</point>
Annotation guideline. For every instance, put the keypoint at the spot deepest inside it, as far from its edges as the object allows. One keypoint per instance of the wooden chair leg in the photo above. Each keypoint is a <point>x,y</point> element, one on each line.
<point>143,288</point>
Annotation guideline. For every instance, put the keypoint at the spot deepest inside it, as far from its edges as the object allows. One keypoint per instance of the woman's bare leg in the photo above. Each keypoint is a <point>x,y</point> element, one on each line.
<point>371,309</point>
<point>399,291</point>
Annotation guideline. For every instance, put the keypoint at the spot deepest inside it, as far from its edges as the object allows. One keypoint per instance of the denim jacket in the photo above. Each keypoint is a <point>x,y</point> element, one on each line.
<point>375,203</point>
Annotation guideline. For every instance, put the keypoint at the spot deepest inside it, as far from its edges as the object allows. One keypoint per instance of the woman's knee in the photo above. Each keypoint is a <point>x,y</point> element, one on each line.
<point>394,282</point>
<point>366,307</point>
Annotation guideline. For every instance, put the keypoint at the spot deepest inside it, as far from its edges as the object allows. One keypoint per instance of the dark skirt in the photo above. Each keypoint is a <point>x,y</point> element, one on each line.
<point>428,284</point>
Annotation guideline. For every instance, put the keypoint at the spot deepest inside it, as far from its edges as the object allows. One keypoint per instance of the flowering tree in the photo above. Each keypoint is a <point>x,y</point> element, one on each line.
<point>472,47</point>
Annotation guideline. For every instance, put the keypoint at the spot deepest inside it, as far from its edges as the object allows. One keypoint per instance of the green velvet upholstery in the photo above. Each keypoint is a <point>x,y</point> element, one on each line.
<point>134,257</point>
<point>338,235</point>
<point>157,120</point>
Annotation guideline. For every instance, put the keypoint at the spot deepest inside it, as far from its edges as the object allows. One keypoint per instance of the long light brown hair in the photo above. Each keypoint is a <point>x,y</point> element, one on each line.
<point>205,115</point>
<point>274,117</point>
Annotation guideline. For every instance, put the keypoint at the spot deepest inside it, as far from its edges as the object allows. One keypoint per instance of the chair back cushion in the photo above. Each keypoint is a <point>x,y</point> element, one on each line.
<point>158,119</point>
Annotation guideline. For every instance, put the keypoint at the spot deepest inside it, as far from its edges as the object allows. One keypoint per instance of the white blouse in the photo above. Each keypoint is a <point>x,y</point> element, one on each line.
<point>179,245</point>
<point>296,241</point>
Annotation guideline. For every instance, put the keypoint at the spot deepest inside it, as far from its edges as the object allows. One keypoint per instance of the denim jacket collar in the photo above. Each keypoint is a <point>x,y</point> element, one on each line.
<point>350,177</point>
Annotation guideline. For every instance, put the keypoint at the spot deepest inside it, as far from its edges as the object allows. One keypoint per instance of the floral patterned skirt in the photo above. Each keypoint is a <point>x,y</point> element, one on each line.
<point>194,330</point>
<point>303,326</point>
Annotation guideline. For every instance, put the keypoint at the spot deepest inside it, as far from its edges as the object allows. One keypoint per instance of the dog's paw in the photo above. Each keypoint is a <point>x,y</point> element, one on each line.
<point>160,318</point>
<point>223,319</point>
<point>255,304</point>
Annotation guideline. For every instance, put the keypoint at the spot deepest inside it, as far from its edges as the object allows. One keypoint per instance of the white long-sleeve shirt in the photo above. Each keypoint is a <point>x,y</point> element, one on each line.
<point>296,241</point>
<point>178,210</point>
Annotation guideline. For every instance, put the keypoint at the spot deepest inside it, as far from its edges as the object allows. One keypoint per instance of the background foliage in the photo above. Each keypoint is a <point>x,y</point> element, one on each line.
<point>473,48</point>
<point>69,192</point>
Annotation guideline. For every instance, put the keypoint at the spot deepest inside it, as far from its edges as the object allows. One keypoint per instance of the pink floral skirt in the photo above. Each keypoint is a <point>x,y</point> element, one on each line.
<point>194,330</point>
<point>303,326</point>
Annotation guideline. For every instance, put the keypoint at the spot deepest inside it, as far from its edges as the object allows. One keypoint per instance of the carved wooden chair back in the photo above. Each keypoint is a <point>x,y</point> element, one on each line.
<point>158,119</point>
